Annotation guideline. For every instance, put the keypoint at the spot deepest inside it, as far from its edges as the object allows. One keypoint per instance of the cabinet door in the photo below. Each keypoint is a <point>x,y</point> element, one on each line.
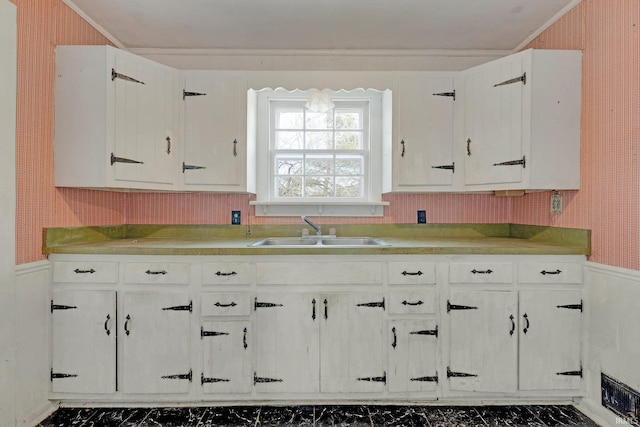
<point>287,342</point>
<point>155,337</point>
<point>483,341</point>
<point>83,358</point>
<point>227,357</point>
<point>550,340</point>
<point>493,123</point>
<point>351,343</point>
<point>215,131</point>
<point>412,355</point>
<point>424,152</point>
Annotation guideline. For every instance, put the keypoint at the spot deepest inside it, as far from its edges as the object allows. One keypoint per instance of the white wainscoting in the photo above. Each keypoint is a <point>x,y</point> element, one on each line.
<point>613,340</point>
<point>32,314</point>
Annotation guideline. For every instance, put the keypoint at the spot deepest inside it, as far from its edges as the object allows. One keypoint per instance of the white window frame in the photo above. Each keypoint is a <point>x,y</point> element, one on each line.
<point>370,204</point>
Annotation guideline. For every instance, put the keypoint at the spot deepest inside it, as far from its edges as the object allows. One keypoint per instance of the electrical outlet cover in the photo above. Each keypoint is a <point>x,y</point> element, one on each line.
<point>235,217</point>
<point>422,217</point>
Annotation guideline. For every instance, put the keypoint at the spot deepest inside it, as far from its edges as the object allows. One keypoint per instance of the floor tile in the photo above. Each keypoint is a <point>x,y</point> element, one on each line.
<point>400,416</point>
<point>449,416</point>
<point>516,416</point>
<point>561,416</point>
<point>173,417</point>
<point>68,417</point>
<point>116,417</point>
<point>234,416</point>
<point>286,416</point>
<point>338,415</point>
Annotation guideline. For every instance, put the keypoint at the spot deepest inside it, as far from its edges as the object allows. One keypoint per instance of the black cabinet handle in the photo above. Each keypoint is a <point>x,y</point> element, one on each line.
<point>219,304</point>
<point>313,310</point>
<point>326,310</point>
<point>545,272</point>
<point>126,325</point>
<point>407,273</point>
<point>412,303</point>
<point>526,326</point>
<point>106,325</point>
<point>244,339</point>
<point>220,273</point>
<point>78,271</point>
<point>395,338</point>
<point>513,325</point>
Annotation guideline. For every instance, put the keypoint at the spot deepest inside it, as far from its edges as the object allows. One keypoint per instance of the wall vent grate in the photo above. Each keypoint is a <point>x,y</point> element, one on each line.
<point>621,399</point>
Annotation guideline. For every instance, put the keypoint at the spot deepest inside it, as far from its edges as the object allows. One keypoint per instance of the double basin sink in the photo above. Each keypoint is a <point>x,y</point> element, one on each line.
<point>319,241</point>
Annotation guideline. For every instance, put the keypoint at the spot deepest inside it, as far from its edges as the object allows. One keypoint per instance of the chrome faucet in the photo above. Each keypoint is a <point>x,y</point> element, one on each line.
<point>312,225</point>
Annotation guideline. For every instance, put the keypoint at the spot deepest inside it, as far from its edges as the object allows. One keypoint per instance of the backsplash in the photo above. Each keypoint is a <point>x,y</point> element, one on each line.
<point>606,30</point>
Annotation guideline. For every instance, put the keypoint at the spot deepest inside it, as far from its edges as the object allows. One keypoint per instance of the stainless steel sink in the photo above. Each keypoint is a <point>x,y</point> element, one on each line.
<point>353,241</point>
<point>287,241</point>
<point>319,241</point>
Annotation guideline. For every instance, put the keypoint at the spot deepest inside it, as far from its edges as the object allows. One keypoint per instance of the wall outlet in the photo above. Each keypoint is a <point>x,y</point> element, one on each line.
<point>235,217</point>
<point>556,204</point>
<point>422,217</point>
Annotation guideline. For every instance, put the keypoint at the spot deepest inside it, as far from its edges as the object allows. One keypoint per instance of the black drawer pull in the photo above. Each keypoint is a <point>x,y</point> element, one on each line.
<point>545,272</point>
<point>220,273</point>
<point>231,304</point>
<point>156,272</point>
<point>407,273</point>
<point>412,303</point>
<point>489,271</point>
<point>78,271</point>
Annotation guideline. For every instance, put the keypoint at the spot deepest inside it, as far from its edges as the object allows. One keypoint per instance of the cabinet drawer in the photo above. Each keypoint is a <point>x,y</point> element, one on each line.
<point>228,273</point>
<point>549,272</point>
<point>85,272</point>
<point>412,302</point>
<point>412,273</point>
<point>481,272</point>
<point>319,273</point>
<point>157,273</point>
<point>226,304</point>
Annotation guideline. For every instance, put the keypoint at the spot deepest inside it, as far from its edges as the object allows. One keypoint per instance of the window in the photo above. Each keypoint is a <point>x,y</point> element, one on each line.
<point>311,163</point>
<point>319,155</point>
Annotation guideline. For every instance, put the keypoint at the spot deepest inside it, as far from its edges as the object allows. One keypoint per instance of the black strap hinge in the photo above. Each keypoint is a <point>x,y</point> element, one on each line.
<point>522,78</point>
<point>451,167</point>
<point>188,307</point>
<point>56,375</point>
<point>382,379</point>
<point>571,373</point>
<point>204,333</point>
<point>205,380</point>
<point>187,93</point>
<point>261,380</point>
<point>459,307</point>
<point>375,304</point>
<point>449,94</point>
<point>187,376</point>
<point>522,161</point>
<point>186,167</point>
<point>116,75</point>
<point>258,304</point>
<point>572,306</point>
<point>433,332</point>
<point>61,307</point>
<point>433,379</point>
<point>115,159</point>
<point>453,374</point>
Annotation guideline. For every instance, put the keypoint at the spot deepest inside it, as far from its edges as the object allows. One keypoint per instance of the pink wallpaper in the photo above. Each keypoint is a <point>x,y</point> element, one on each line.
<point>606,30</point>
<point>608,203</point>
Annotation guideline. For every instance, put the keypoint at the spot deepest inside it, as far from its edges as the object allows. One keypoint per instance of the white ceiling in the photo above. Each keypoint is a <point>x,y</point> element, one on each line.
<point>321,24</point>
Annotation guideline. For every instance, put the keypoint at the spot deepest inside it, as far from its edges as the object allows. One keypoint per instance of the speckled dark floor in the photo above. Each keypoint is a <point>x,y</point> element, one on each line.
<point>354,415</point>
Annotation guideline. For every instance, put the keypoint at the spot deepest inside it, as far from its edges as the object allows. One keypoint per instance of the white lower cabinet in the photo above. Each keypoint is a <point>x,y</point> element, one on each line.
<point>287,344</point>
<point>504,341</point>
<point>550,336</point>
<point>83,352</point>
<point>226,356</point>
<point>155,352</point>
<point>354,327</point>
<point>412,355</point>
<point>313,342</point>
<point>483,341</point>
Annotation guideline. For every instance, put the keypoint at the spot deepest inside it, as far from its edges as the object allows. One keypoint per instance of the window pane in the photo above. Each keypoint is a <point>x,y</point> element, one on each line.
<point>348,187</point>
<point>319,165</point>
<point>349,166</point>
<point>319,140</point>
<point>289,165</point>
<point>348,119</point>
<point>289,140</point>
<point>289,186</point>
<point>319,120</point>
<point>319,186</point>
<point>348,140</point>
<point>288,118</point>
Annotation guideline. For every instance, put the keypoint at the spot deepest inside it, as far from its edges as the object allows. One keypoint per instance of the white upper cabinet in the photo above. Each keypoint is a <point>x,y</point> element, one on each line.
<point>423,153</point>
<point>522,122</point>
<point>115,121</point>
<point>215,131</point>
